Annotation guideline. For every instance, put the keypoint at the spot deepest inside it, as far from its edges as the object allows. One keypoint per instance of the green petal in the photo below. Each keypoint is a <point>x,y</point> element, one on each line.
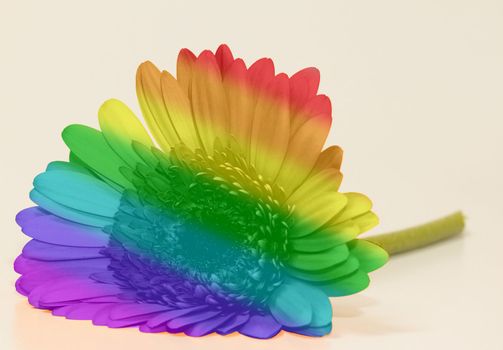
<point>319,261</point>
<point>325,238</point>
<point>347,285</point>
<point>90,147</point>
<point>337,271</point>
<point>370,255</point>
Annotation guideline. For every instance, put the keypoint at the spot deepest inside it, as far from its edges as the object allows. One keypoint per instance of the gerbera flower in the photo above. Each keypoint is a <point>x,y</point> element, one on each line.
<point>231,221</point>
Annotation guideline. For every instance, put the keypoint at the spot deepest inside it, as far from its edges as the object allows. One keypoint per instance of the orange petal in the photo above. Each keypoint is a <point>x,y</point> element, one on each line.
<point>209,103</point>
<point>329,158</point>
<point>305,146</point>
<point>271,127</point>
<point>241,104</point>
<point>148,89</point>
<point>178,106</point>
<point>186,60</point>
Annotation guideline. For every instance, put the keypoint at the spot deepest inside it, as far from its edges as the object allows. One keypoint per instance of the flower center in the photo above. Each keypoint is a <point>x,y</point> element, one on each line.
<point>203,221</point>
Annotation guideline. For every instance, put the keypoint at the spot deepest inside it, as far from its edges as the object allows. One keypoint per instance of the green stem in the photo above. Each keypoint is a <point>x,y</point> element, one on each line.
<point>420,236</point>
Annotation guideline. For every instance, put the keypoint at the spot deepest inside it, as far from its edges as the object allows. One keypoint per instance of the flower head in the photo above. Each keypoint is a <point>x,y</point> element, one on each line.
<point>231,221</point>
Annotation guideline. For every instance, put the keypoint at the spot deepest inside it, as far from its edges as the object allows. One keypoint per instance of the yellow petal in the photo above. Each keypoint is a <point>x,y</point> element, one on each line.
<point>366,221</point>
<point>327,180</point>
<point>313,211</point>
<point>358,204</point>
<point>121,127</point>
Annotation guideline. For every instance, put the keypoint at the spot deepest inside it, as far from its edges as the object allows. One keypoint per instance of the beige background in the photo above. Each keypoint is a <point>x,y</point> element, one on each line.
<point>417,89</point>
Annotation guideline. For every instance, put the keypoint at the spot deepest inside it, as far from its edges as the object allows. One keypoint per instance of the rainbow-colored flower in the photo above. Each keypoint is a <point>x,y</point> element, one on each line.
<point>231,221</point>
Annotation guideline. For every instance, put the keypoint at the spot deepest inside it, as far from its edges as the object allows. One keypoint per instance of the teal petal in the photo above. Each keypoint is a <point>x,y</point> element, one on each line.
<point>79,191</point>
<point>69,213</point>
<point>289,306</point>
<point>313,331</point>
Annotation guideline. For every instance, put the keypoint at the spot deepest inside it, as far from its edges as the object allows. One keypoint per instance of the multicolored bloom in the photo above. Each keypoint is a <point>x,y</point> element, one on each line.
<point>231,222</point>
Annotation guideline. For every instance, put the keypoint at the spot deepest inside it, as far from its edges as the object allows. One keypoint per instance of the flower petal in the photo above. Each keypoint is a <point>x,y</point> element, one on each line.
<point>177,104</point>
<point>44,251</point>
<point>289,306</point>
<point>326,237</point>
<point>319,260</point>
<point>314,210</point>
<point>357,204</point>
<point>370,255</point>
<point>329,158</point>
<point>149,91</point>
<point>271,128</point>
<point>261,327</point>
<point>120,127</point>
<point>330,273</point>
<point>351,284</point>
<point>69,213</point>
<point>184,66</point>
<point>79,191</point>
<point>52,229</point>
<point>90,147</point>
<point>208,100</point>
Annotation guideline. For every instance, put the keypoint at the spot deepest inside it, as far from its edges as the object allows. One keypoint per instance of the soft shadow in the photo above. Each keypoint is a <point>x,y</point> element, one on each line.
<point>353,316</point>
<point>38,329</point>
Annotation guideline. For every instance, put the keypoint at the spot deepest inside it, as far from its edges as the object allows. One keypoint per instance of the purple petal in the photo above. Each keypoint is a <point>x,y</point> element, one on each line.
<point>146,329</point>
<point>28,214</point>
<point>55,230</point>
<point>208,326</point>
<point>80,311</point>
<point>24,265</point>
<point>59,292</point>
<point>183,321</point>
<point>50,252</point>
<point>33,279</point>
<point>261,327</point>
<point>101,317</point>
<point>135,309</point>
<point>231,325</point>
<point>169,315</point>
<point>130,321</point>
